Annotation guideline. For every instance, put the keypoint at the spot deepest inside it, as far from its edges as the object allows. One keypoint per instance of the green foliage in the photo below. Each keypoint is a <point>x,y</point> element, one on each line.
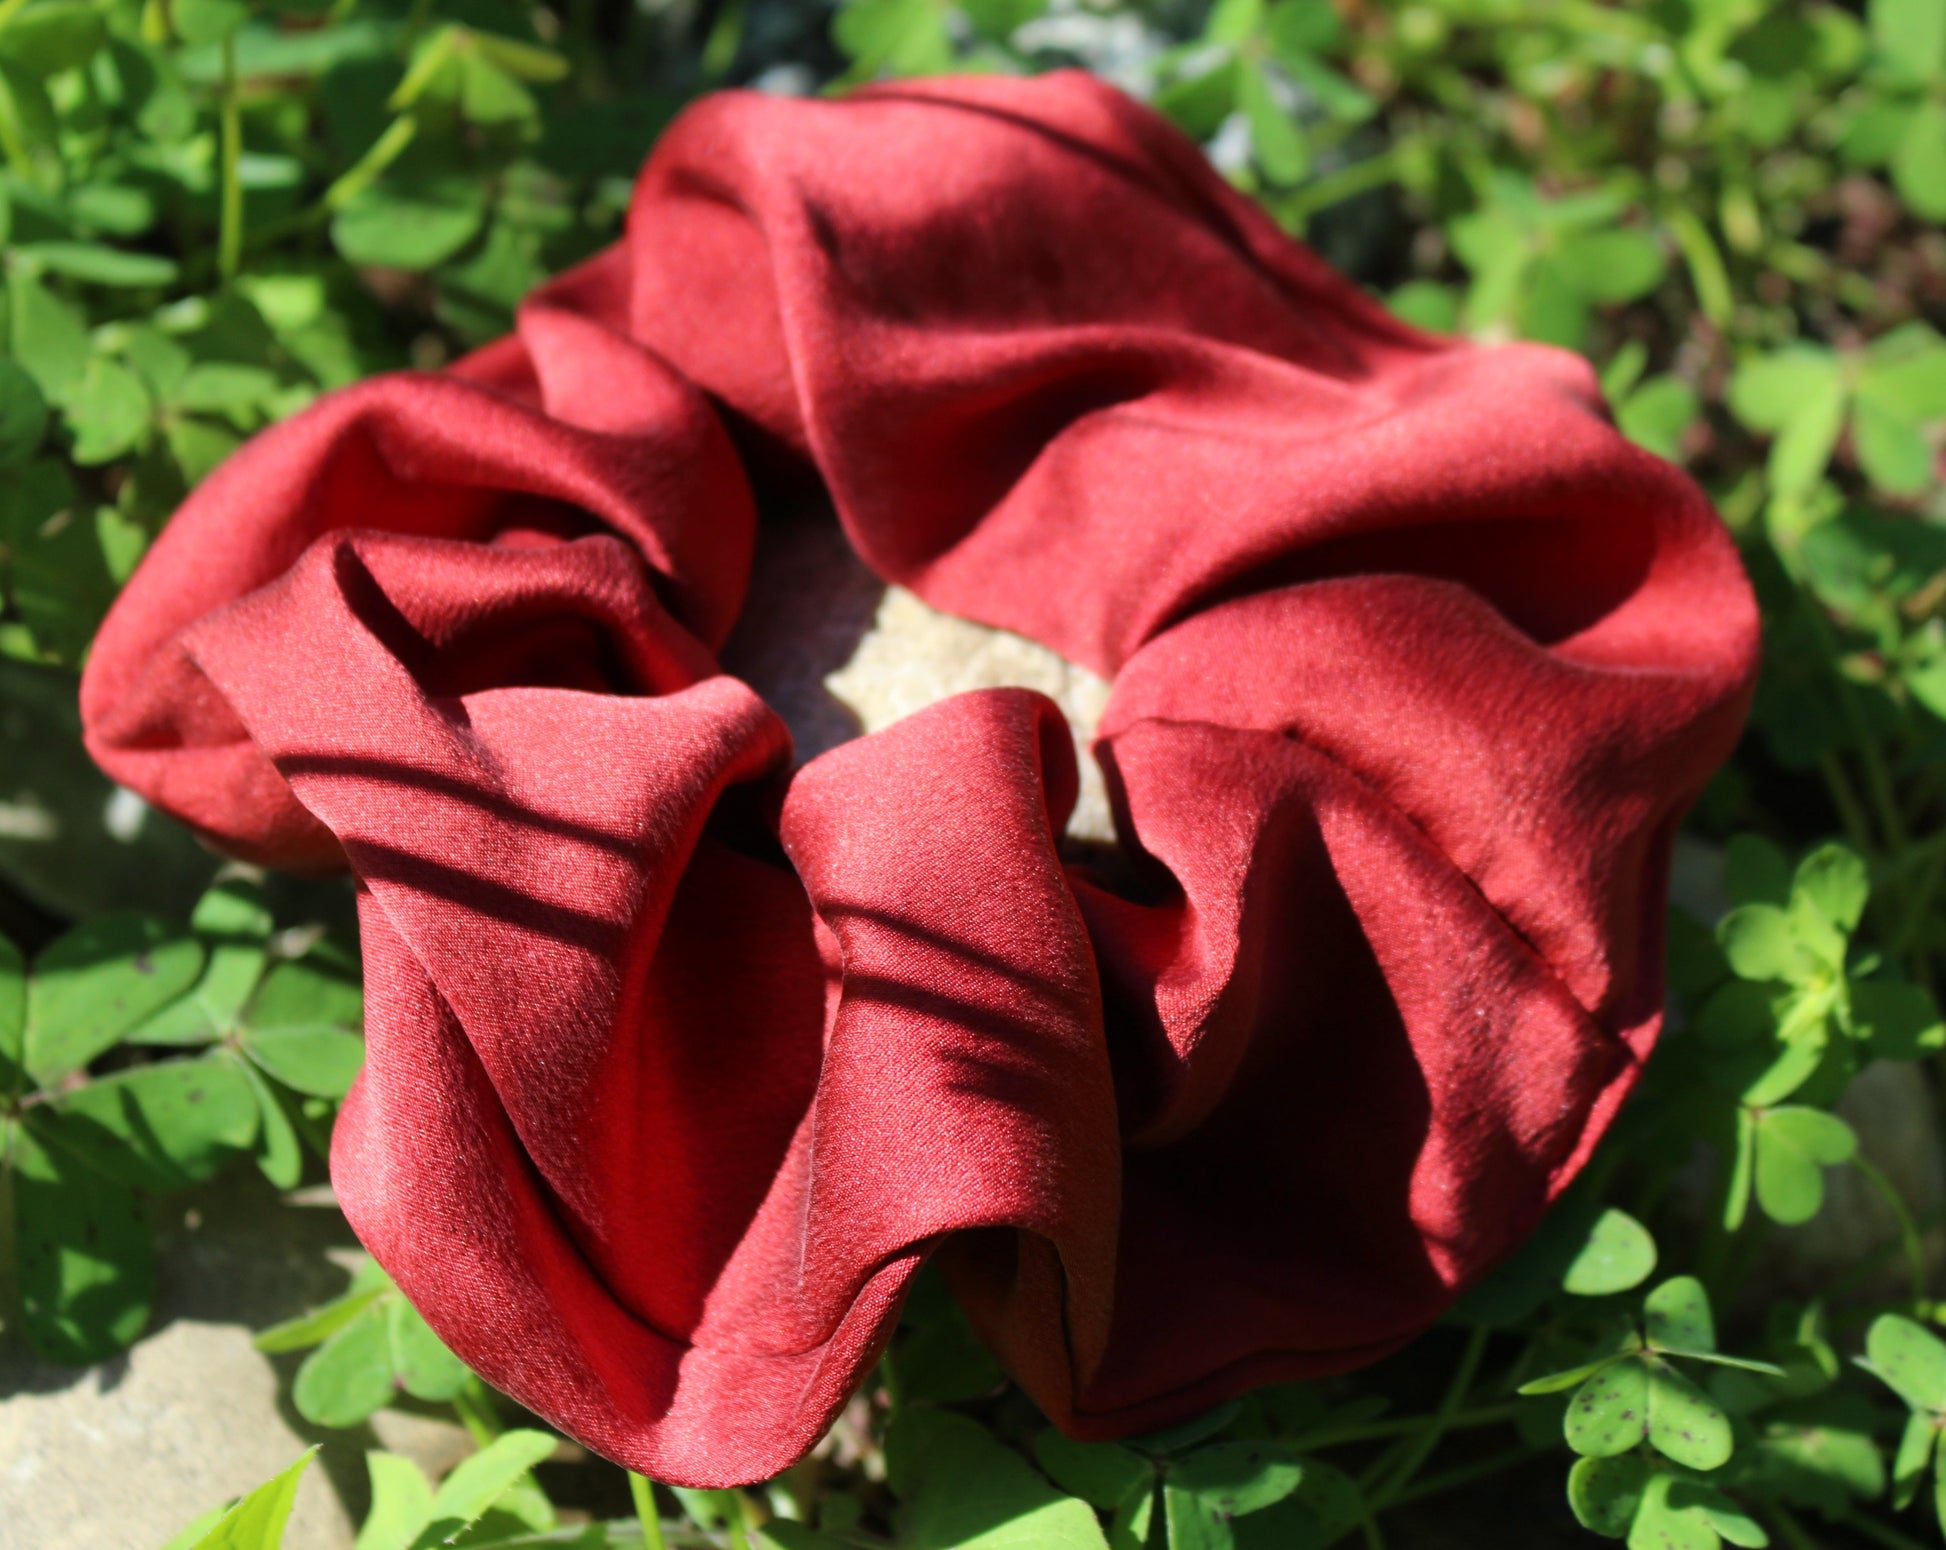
<point>1912,1362</point>
<point>92,1122</point>
<point>254,1523</point>
<point>370,1345</point>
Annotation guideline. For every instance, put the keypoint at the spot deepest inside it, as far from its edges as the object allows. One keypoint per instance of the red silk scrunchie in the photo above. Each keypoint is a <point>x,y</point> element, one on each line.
<point>682,1061</point>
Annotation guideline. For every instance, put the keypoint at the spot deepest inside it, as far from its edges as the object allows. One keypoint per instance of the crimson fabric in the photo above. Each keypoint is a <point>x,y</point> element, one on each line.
<point>682,1060</point>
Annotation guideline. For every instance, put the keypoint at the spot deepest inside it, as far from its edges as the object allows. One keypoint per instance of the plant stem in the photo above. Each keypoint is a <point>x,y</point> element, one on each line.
<point>475,1412</point>
<point>10,1309</point>
<point>1399,1426</point>
<point>1368,1482</point>
<point>1909,1240</point>
<point>643,1491</point>
<point>1791,1531</point>
<point>1464,1475</point>
<point>1336,187</point>
<point>1880,1533</point>
<point>1924,887</point>
<point>739,1521</point>
<point>1374,1540</point>
<point>1706,271</point>
<point>1861,1270</point>
<point>1878,778</point>
<point>1851,811</point>
<point>1427,1439</point>
<point>229,237</point>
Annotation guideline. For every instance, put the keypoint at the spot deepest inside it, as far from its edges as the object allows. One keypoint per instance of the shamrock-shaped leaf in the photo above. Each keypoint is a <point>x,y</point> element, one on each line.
<point>1760,943</point>
<point>97,983</point>
<point>1794,1146</point>
<point>107,409</point>
<point>415,225</point>
<point>348,1377</point>
<point>370,1343</point>
<point>158,1127</point>
<point>962,1489</point>
<point>1609,1414</point>
<point>1618,1255</point>
<point>1832,880</point>
<point>1676,1316</point>
<point>1233,1479</point>
<point>1818,1453</point>
<point>1684,1423</point>
<point>1606,1492</point>
<point>1104,1474</point>
<point>1910,1359</point>
<point>1658,415</point>
<point>83,1259</point>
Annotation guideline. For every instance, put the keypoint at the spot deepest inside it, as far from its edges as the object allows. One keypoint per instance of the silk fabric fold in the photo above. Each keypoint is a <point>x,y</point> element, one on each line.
<point>682,1059</point>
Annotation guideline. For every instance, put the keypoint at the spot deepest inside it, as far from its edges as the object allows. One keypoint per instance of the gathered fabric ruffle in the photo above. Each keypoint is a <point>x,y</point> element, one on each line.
<point>682,1059</point>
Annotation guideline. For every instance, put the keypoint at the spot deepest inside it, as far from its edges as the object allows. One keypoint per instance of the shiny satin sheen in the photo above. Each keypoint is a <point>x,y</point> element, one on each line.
<point>682,1060</point>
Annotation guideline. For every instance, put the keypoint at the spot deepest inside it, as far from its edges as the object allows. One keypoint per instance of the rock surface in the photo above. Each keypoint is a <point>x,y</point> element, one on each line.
<point>123,1455</point>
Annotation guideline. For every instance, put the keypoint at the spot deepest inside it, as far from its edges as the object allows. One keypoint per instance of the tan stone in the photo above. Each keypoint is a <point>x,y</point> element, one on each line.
<point>838,653</point>
<point>121,1456</point>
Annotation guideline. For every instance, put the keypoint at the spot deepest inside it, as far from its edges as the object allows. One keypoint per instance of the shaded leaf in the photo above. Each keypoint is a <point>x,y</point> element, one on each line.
<point>13,1018</point>
<point>159,1127</point>
<point>1605,1492</point>
<point>424,1367</point>
<point>96,983</point>
<point>1103,1474</point>
<point>1899,1021</point>
<point>85,1265</point>
<point>1232,1479</point>
<point>348,1377</point>
<point>963,1490</point>
<point>1609,1413</point>
<point>23,414</point>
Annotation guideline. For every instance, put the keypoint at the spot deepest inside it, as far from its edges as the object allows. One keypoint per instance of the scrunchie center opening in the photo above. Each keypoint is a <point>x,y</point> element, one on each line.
<point>838,653</point>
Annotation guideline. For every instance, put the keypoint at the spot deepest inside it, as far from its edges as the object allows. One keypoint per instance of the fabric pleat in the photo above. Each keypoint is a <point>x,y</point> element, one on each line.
<point>683,1058</point>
